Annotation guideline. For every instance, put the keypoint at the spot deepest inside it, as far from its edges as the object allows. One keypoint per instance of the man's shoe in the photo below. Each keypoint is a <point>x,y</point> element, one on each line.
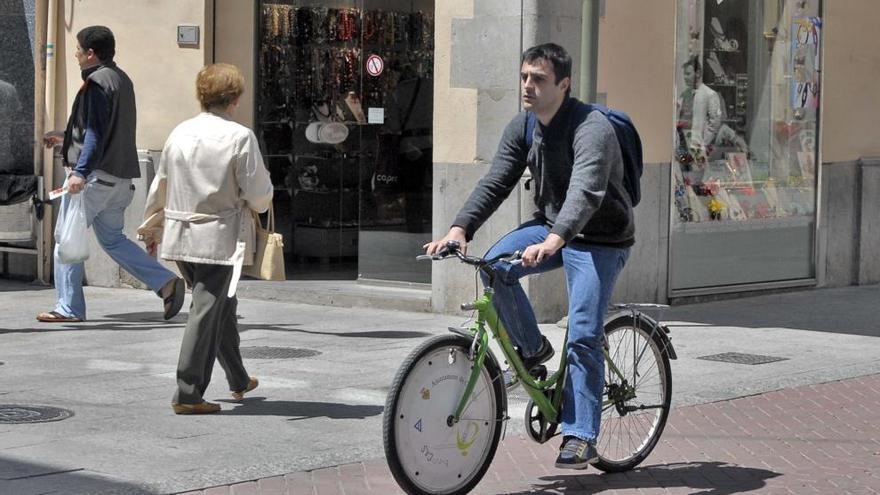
<point>576,454</point>
<point>252,384</point>
<point>544,354</point>
<point>56,317</point>
<point>203,408</point>
<point>173,301</point>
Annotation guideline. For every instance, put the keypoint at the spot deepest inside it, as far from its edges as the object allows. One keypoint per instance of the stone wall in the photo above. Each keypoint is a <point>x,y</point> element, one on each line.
<point>17,37</point>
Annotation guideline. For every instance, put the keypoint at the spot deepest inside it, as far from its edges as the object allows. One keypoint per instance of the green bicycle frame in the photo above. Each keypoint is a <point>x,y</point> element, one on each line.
<point>487,316</point>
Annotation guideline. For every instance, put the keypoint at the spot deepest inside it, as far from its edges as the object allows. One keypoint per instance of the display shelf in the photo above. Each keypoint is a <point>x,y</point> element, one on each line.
<point>751,224</point>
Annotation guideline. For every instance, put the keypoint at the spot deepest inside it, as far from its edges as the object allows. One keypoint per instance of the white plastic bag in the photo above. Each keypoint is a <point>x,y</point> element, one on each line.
<point>71,231</point>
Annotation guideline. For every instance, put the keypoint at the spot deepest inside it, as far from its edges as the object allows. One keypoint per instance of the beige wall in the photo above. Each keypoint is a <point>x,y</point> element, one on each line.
<point>146,48</point>
<point>636,68</point>
<point>851,93</point>
<point>234,44</point>
<point>455,123</point>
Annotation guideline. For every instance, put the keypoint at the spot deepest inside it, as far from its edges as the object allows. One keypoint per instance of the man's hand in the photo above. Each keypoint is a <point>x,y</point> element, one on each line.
<point>456,233</point>
<point>53,138</point>
<point>75,184</point>
<point>537,253</point>
<point>152,246</point>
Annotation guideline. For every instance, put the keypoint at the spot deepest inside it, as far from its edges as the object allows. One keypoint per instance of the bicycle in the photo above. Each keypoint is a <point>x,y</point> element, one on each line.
<point>443,415</point>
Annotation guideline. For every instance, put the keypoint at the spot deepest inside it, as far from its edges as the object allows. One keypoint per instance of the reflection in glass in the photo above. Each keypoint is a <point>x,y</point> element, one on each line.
<point>744,170</point>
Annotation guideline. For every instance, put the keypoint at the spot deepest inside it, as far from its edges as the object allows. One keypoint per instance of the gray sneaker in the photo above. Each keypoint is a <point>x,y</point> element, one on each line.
<point>576,454</point>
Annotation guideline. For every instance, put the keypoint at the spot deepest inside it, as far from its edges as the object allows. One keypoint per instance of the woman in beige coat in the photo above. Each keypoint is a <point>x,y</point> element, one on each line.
<point>211,173</point>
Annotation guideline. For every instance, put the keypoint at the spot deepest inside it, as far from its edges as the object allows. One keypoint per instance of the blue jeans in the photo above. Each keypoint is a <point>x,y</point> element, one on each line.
<point>590,271</point>
<point>106,198</point>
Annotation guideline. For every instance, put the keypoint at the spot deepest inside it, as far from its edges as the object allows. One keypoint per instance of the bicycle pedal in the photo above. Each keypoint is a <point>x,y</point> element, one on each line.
<point>539,372</point>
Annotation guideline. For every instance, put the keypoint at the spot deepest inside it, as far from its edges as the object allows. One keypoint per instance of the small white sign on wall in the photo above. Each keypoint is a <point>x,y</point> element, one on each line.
<point>375,115</point>
<point>187,34</point>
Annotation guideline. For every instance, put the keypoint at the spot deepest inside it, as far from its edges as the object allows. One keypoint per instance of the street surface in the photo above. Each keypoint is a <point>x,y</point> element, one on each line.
<point>806,424</point>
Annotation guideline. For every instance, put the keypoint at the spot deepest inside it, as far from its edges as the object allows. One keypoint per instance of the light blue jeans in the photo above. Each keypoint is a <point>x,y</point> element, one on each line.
<point>590,272</point>
<point>106,198</point>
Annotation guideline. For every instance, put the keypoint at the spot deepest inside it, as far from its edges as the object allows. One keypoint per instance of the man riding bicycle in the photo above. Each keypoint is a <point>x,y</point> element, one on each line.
<point>584,224</point>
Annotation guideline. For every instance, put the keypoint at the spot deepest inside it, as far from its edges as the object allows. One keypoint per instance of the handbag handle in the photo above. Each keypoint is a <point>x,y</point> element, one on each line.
<point>271,217</point>
<point>271,223</point>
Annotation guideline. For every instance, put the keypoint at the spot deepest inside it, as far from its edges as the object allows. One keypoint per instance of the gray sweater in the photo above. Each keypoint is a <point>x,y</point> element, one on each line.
<point>577,169</point>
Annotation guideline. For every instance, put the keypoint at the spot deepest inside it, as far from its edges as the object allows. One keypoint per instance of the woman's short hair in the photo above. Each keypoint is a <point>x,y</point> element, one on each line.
<point>219,85</point>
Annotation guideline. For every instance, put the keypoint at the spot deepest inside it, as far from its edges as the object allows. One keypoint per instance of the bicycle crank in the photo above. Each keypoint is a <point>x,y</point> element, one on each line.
<point>538,428</point>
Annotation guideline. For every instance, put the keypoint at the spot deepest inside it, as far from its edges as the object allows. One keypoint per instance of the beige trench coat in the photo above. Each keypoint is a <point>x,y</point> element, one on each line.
<point>210,176</point>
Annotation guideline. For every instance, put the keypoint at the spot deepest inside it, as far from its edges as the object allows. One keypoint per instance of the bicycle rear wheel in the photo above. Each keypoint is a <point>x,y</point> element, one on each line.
<point>636,405</point>
<point>426,453</point>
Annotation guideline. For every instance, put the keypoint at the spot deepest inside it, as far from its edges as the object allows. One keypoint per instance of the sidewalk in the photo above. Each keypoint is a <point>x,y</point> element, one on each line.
<point>814,439</point>
<point>324,374</point>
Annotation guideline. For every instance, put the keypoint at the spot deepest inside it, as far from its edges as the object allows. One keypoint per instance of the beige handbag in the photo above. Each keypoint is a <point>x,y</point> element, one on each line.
<point>269,254</point>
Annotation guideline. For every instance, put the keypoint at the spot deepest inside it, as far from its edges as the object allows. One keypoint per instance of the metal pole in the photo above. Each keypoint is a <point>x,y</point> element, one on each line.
<point>589,50</point>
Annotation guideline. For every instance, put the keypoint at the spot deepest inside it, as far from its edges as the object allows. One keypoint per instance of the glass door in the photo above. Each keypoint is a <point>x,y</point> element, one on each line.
<point>309,75</point>
<point>396,155</point>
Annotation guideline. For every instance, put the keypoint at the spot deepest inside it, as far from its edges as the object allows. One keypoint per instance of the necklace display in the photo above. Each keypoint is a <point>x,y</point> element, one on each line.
<point>312,90</point>
<point>314,54</point>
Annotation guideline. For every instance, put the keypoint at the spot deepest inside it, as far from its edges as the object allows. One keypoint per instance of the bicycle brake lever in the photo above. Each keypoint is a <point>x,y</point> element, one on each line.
<point>515,258</point>
<point>423,257</point>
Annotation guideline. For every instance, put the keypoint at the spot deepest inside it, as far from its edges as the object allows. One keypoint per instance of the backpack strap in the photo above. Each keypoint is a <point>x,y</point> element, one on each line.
<point>530,128</point>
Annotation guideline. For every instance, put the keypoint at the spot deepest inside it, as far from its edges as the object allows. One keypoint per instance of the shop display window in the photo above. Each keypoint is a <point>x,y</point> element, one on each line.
<point>349,149</point>
<point>744,170</point>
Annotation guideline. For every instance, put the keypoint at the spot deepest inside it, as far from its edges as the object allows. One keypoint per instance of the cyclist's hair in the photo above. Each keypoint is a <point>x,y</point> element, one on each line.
<point>556,55</point>
<point>100,40</point>
<point>692,62</point>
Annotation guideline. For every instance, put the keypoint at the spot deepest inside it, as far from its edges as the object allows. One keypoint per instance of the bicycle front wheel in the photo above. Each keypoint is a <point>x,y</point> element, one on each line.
<point>426,452</point>
<point>636,401</point>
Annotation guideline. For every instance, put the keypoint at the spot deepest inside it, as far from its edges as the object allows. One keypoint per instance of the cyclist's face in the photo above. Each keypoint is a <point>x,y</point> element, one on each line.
<point>540,89</point>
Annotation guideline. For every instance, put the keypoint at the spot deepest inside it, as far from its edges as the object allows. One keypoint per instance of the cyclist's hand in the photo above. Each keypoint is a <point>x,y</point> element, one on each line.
<point>456,233</point>
<point>537,253</point>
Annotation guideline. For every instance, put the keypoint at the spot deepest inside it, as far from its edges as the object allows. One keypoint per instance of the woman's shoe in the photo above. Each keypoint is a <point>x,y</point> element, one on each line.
<point>252,384</point>
<point>203,408</point>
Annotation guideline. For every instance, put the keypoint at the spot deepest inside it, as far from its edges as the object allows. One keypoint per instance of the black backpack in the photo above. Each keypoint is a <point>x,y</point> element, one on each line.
<point>627,137</point>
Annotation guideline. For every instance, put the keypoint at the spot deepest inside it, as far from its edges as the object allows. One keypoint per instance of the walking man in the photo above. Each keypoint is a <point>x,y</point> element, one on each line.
<point>99,145</point>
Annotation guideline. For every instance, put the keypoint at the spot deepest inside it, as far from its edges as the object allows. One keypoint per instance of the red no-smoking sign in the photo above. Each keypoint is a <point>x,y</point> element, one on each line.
<point>375,65</point>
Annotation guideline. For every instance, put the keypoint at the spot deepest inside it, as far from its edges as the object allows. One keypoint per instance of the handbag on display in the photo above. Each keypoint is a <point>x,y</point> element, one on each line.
<point>269,253</point>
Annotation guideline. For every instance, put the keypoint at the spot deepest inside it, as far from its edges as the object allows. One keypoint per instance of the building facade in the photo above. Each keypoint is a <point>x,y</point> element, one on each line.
<point>377,117</point>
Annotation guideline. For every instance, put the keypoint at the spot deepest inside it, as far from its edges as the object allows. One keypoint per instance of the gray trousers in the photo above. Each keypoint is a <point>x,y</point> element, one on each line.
<point>211,332</point>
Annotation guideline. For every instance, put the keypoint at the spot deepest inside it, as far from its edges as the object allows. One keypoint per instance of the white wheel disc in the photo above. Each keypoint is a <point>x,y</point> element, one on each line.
<point>436,457</point>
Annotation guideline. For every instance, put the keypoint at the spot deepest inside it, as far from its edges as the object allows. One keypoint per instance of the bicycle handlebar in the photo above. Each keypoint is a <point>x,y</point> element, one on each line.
<point>453,249</point>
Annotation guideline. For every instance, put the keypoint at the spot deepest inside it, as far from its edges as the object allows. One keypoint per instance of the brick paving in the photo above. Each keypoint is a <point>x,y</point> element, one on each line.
<point>822,439</point>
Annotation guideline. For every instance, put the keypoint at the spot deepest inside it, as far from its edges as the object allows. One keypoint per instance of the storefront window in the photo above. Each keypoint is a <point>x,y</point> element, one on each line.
<point>344,116</point>
<point>744,171</point>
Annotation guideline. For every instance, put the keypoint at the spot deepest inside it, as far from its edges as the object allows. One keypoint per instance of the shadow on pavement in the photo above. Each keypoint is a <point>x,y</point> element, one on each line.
<point>711,478</point>
<point>13,286</point>
<point>149,320</point>
<point>18,476</point>
<point>844,310</point>
<point>298,410</point>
